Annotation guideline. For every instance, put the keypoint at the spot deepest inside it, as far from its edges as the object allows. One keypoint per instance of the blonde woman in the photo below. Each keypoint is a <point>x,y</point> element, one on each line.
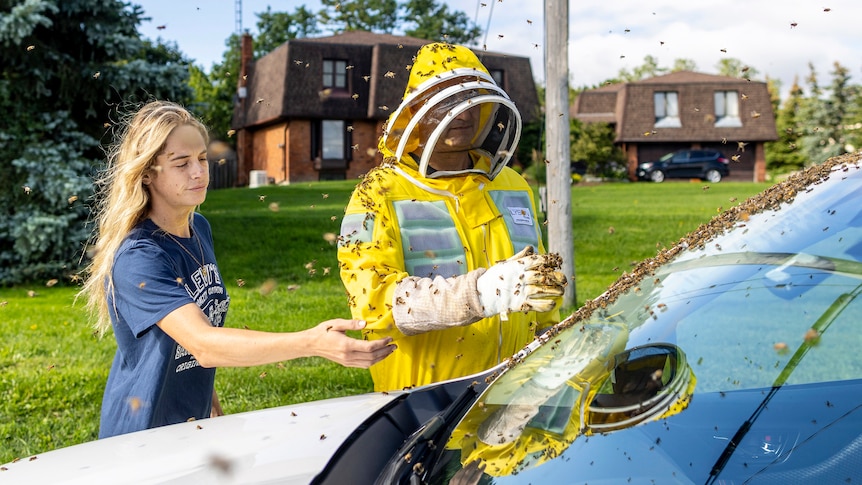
<point>155,280</point>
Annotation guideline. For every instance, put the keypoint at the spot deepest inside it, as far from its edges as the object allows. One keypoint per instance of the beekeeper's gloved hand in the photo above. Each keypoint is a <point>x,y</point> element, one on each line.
<point>525,282</point>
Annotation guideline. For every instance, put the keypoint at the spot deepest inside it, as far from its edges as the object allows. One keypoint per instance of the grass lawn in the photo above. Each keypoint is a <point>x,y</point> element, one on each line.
<point>281,272</point>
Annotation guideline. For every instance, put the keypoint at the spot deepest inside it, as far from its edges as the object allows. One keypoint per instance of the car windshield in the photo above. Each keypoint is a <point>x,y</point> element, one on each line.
<point>764,297</point>
<point>667,157</point>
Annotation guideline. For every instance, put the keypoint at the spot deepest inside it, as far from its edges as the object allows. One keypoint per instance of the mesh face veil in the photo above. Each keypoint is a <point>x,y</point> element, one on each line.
<point>461,110</point>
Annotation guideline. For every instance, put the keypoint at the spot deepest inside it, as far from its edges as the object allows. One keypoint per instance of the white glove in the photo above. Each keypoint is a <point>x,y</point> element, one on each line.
<point>525,282</point>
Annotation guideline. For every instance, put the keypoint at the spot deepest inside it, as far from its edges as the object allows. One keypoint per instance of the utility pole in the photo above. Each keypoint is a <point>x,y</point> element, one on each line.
<point>237,11</point>
<point>557,150</point>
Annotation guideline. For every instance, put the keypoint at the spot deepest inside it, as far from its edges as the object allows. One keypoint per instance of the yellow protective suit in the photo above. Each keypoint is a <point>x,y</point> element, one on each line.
<point>401,222</point>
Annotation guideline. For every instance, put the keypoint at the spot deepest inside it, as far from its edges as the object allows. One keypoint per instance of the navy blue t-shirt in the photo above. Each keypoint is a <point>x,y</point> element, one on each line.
<point>153,380</point>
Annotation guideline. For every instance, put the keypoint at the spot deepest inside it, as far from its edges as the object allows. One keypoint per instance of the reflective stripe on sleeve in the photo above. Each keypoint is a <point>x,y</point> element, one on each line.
<point>357,228</point>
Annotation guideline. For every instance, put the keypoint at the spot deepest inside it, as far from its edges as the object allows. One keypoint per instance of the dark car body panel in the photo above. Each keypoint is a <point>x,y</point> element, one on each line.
<point>363,456</point>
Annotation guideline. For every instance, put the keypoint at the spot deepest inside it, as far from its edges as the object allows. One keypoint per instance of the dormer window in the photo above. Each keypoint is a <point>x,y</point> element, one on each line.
<point>727,109</point>
<point>335,74</point>
<point>666,109</point>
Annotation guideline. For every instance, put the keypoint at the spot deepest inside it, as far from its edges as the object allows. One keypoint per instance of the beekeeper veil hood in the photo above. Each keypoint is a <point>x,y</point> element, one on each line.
<point>452,104</point>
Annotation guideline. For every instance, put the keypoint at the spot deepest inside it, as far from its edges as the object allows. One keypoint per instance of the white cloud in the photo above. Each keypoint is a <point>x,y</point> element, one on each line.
<point>757,33</point>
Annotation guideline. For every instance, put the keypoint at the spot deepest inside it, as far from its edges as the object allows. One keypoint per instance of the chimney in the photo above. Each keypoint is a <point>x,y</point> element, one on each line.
<point>246,55</point>
<point>243,138</point>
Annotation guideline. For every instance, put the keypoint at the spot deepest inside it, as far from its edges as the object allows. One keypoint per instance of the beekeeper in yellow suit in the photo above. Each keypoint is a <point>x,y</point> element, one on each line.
<point>440,247</point>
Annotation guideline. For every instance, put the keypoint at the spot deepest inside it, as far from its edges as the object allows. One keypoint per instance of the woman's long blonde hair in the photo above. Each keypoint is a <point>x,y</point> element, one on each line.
<point>121,200</point>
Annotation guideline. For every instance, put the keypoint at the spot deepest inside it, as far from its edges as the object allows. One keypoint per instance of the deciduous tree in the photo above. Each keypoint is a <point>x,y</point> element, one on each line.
<point>371,15</point>
<point>434,21</point>
<point>276,28</point>
<point>648,69</point>
<point>593,144</point>
<point>729,66</point>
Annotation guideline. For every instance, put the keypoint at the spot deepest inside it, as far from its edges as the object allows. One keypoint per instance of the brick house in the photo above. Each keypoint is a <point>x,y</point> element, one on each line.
<point>686,109</point>
<point>314,108</point>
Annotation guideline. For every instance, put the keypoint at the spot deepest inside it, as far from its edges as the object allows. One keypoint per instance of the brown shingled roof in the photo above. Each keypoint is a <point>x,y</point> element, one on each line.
<point>689,77</point>
<point>362,37</point>
<point>630,107</point>
<point>286,82</point>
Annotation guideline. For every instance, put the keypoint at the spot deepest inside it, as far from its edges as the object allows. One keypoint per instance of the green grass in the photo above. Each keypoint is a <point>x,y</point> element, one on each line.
<point>618,225</point>
<point>53,370</point>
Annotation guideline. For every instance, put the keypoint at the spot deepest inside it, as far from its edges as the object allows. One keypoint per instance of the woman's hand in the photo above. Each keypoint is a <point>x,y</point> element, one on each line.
<point>237,347</point>
<point>331,342</point>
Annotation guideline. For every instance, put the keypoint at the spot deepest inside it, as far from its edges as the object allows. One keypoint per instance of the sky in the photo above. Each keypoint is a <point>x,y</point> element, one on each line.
<point>777,38</point>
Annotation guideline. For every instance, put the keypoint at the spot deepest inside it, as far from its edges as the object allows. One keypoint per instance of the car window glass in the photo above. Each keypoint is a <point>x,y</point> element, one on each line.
<point>722,303</point>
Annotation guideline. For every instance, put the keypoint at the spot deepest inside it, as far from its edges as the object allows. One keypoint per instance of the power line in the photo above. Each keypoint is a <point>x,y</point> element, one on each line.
<point>488,25</point>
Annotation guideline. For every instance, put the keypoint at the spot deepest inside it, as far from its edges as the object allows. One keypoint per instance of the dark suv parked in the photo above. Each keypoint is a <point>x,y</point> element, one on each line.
<point>708,165</point>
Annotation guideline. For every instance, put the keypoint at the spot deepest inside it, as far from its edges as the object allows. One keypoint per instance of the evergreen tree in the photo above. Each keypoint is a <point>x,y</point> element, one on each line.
<point>784,155</point>
<point>825,116</point>
<point>853,121</point>
<point>66,67</point>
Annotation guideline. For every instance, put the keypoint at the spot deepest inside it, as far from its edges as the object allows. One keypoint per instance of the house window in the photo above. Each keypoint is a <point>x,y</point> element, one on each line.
<point>497,75</point>
<point>666,109</point>
<point>330,142</point>
<point>727,109</point>
<point>334,74</point>
<point>332,139</point>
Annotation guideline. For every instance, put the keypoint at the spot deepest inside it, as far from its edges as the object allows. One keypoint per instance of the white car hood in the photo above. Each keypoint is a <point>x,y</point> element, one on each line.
<point>285,445</point>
